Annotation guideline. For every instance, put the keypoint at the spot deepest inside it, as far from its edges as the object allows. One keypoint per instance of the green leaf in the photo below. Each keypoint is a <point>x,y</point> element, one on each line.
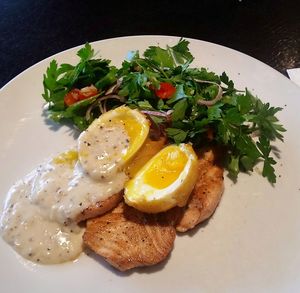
<point>266,120</point>
<point>157,120</point>
<point>244,104</point>
<point>268,171</point>
<point>179,94</point>
<point>225,79</point>
<point>145,105</point>
<point>79,106</point>
<point>233,116</point>
<point>178,135</point>
<point>86,53</point>
<point>202,74</point>
<point>133,85</point>
<point>214,112</point>
<point>181,52</point>
<point>179,110</point>
<point>248,151</point>
<point>160,104</point>
<point>233,166</point>
<point>108,79</point>
<point>161,57</point>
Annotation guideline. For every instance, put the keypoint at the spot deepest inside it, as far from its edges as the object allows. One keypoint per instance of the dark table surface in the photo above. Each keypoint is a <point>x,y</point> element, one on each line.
<point>32,30</point>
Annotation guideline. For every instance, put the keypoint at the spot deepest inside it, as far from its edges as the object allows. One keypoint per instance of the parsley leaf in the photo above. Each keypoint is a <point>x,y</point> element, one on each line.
<point>178,135</point>
<point>86,53</point>
<point>159,56</point>
<point>268,171</point>
<point>179,110</point>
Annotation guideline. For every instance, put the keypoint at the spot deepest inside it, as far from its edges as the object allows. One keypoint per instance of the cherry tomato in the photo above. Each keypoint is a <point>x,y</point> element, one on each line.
<point>72,97</point>
<point>88,92</point>
<point>76,95</point>
<point>166,90</point>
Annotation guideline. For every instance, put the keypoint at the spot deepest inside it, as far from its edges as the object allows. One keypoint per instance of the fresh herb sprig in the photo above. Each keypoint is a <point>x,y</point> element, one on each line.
<point>203,107</point>
<point>59,80</point>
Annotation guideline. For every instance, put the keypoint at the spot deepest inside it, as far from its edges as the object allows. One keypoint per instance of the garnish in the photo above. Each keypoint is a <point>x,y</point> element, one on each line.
<point>188,104</point>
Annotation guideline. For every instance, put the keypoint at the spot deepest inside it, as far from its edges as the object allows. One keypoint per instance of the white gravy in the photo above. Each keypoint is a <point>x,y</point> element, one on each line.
<point>101,151</point>
<point>38,218</point>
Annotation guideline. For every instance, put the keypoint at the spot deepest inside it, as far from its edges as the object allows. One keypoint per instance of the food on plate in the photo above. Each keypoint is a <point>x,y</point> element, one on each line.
<point>111,141</point>
<point>99,208</point>
<point>207,191</point>
<point>165,181</point>
<point>128,238</point>
<point>153,133</point>
<point>33,218</point>
<point>188,104</point>
<point>147,151</point>
<point>77,184</point>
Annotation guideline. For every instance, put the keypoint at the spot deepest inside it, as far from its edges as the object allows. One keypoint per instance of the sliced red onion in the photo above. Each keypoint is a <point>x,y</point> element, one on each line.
<point>217,98</point>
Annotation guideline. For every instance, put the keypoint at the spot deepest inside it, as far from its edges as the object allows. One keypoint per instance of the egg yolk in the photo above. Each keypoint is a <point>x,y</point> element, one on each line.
<point>133,128</point>
<point>149,149</point>
<point>69,157</point>
<point>166,168</point>
<point>165,181</point>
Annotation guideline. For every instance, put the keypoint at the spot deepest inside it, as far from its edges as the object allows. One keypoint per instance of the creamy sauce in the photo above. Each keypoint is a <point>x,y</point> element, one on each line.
<point>101,151</point>
<point>39,215</point>
<point>32,234</point>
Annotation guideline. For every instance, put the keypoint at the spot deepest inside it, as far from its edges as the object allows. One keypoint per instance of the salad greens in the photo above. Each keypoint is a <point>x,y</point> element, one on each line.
<point>185,103</point>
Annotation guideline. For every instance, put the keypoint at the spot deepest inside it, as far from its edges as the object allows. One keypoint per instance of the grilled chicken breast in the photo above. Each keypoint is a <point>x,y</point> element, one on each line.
<point>100,207</point>
<point>127,238</point>
<point>206,194</point>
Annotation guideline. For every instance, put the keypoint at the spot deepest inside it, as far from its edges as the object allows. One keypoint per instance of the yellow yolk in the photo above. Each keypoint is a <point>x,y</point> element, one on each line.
<point>166,168</point>
<point>70,157</point>
<point>149,149</point>
<point>165,181</point>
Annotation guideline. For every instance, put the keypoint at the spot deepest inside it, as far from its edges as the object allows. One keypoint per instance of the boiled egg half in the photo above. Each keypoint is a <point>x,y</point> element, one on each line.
<point>111,141</point>
<point>165,181</point>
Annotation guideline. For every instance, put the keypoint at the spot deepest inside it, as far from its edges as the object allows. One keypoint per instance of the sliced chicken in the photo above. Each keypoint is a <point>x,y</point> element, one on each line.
<point>100,207</point>
<point>206,194</point>
<point>127,238</point>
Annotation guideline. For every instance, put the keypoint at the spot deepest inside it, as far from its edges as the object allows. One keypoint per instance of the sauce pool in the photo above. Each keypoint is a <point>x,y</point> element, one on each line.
<point>38,220</point>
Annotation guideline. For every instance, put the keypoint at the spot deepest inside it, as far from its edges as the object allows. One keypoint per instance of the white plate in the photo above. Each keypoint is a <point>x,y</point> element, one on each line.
<point>252,242</point>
